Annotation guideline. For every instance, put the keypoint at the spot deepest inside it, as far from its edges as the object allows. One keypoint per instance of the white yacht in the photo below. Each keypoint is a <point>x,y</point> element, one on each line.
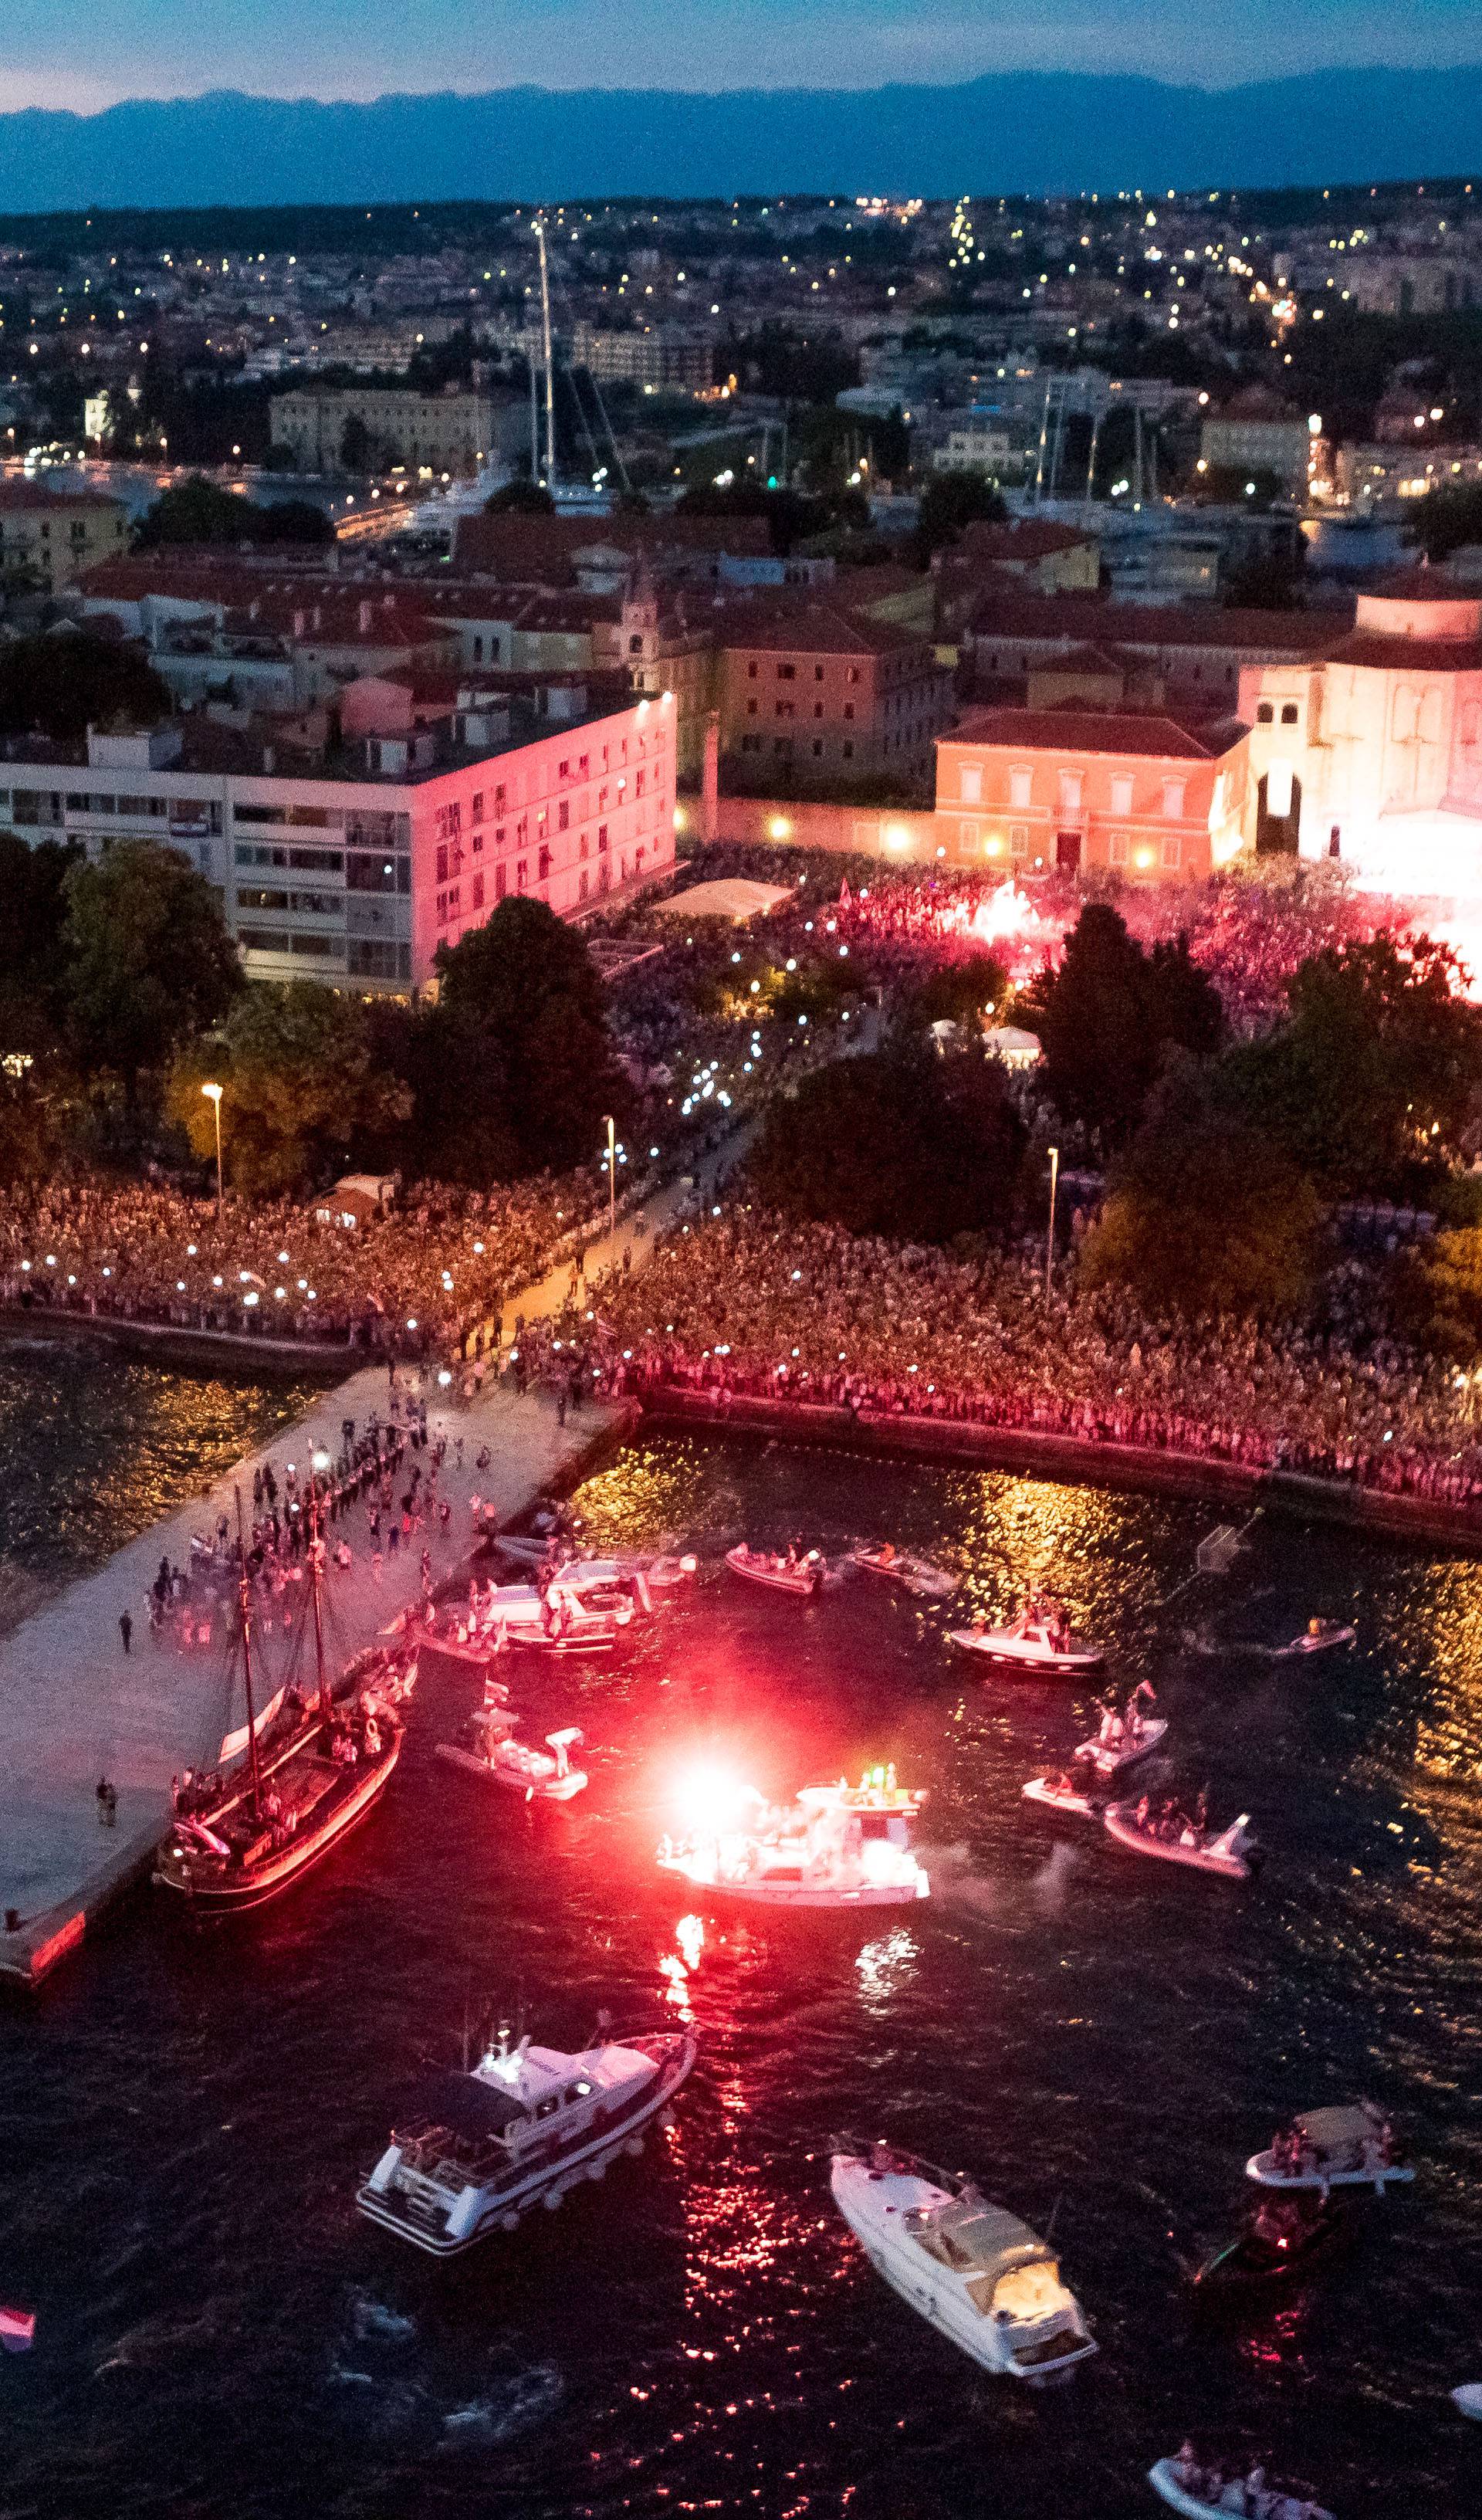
<point>1040,1639</point>
<point>837,1846</point>
<point>474,2153</point>
<point>970,2267</point>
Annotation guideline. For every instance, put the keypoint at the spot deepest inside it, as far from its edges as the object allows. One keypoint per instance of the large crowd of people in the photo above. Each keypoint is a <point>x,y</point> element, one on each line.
<point>422,1278</point>
<point>744,1304</point>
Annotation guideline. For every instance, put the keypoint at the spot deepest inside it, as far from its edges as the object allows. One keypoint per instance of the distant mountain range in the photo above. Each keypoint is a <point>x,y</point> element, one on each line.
<point>1024,132</point>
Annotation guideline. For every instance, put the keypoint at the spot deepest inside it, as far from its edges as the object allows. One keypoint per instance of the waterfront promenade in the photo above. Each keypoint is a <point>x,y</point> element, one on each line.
<point>75,1707</point>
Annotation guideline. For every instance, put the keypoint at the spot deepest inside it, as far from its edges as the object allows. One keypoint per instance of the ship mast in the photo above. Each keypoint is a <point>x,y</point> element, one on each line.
<point>245,1596</point>
<point>545,330</point>
<point>316,1566</point>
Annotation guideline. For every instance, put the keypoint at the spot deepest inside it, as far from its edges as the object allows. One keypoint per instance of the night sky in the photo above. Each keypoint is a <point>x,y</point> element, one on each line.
<point>365,48</point>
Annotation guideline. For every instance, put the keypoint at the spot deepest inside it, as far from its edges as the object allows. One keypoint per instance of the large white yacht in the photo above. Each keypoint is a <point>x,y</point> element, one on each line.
<point>474,2153</point>
<point>970,2267</point>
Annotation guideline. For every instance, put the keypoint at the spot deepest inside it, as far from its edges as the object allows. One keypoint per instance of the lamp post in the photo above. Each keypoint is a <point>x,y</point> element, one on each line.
<point>213,1095</point>
<point>611,1176</point>
<point>1054,1179</point>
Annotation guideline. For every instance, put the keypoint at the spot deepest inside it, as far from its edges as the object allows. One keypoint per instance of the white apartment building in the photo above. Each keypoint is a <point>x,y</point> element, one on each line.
<point>355,873</point>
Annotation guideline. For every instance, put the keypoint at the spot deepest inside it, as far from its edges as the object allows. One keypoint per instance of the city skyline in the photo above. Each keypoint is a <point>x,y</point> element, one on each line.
<point>161,48</point>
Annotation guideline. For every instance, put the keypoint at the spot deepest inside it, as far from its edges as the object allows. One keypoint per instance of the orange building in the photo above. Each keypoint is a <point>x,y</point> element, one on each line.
<point>1082,789</point>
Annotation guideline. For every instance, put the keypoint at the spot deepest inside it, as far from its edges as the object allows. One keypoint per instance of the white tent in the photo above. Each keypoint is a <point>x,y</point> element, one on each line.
<point>1016,1047</point>
<point>732,897</point>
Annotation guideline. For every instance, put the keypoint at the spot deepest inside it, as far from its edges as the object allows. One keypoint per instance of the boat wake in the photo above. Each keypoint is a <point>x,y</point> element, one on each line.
<point>371,2317</point>
<point>508,2409</point>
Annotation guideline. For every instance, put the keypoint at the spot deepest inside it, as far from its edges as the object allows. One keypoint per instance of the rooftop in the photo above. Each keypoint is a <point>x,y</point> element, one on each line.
<point>1114,732</point>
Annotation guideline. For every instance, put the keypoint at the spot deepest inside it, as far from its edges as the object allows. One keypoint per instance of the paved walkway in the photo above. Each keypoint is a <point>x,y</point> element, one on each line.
<point>75,1707</point>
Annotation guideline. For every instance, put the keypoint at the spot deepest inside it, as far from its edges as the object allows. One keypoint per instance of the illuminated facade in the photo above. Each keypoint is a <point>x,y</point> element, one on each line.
<point>1080,788</point>
<point>1372,751</point>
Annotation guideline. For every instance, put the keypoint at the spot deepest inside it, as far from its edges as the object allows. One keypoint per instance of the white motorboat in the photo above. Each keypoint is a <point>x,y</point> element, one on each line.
<point>915,1575</point>
<point>972,2269</point>
<point>474,2153</point>
<point>1199,2493</point>
<point>1062,1793</point>
<point>1349,2147</point>
<point>802,1576</point>
<point>1040,1639</point>
<point>837,1846</point>
<point>490,1750</point>
<point>1320,1635</point>
<point>1467,2400</point>
<point>1129,1739</point>
<point>1232,1852</point>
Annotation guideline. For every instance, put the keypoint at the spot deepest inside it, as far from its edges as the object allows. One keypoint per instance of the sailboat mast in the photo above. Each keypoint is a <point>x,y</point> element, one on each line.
<point>244,1599</point>
<point>316,1567</point>
<point>545,329</point>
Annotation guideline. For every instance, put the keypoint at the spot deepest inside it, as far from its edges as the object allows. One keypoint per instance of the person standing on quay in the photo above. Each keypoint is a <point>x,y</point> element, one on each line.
<point>126,1631</point>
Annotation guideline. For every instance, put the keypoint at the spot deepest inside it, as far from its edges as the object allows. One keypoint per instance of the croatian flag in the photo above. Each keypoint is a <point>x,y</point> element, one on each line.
<point>18,2330</point>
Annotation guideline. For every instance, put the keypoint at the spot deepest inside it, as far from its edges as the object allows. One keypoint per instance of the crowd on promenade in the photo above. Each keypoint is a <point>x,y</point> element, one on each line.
<point>746,1305</point>
<point>421,1279</point>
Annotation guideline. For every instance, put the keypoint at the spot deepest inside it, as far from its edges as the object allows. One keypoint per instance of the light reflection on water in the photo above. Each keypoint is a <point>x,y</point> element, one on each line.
<point>701,2332</point>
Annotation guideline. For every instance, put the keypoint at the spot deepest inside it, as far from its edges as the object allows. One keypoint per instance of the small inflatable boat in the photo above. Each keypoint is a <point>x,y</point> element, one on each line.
<point>1110,1753</point>
<point>800,1576</point>
<point>1167,2483</point>
<point>1061,1793</point>
<point>1320,1635</point>
<point>916,1575</point>
<point>1230,1852</point>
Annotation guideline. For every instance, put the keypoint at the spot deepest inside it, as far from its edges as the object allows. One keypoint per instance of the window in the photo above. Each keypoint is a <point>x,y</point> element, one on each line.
<point>818,746</point>
<point>1020,789</point>
<point>1121,794</point>
<point>1018,840</point>
<point>969,834</point>
<point>972,785</point>
<point>521,874</point>
<point>475,810</point>
<point>1118,850</point>
<point>564,816</point>
<point>786,709</point>
<point>479,893</point>
<point>818,708</point>
<point>564,770</point>
<point>751,670</point>
<point>849,708</point>
<point>1288,712</point>
<point>751,744</point>
<point>601,838</point>
<point>786,673</point>
<point>1070,791</point>
<point>442,862</point>
<point>851,674</point>
<point>1263,713</point>
<point>782,747</point>
<point>1173,800</point>
<point>818,673</point>
<point>542,864</point>
<point>847,751</point>
<point>501,883</point>
<point>1173,851</point>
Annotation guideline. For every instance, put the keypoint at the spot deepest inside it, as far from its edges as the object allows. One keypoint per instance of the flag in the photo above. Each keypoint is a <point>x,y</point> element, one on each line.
<point>18,2330</point>
<point>844,895</point>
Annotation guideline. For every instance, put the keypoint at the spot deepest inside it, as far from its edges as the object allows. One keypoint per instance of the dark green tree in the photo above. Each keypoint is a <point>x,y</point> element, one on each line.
<point>961,992</point>
<point>1109,1017</point>
<point>149,961</point>
<point>516,1067</point>
<point>62,681</point>
<point>197,511</point>
<point>949,502</point>
<point>1370,1078</point>
<point>1205,1213</point>
<point>300,1087</point>
<point>520,499</point>
<point>33,941</point>
<point>1445,520</point>
<point>898,1142</point>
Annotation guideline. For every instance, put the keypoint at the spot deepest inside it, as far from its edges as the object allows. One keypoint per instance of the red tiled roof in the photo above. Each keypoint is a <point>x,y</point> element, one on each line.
<point>16,496</point>
<point>1379,650</point>
<point>1103,730</point>
<point>811,629</point>
<point>1027,538</point>
<point>1140,626</point>
<point>537,545</point>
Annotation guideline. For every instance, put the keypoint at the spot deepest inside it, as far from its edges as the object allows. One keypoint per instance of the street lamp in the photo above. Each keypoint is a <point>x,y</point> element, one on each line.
<point>1054,1179</point>
<point>611,1176</point>
<point>213,1095</point>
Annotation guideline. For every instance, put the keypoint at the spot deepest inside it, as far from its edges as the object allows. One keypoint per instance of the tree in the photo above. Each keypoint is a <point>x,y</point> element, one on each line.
<point>300,1087</point>
<point>897,1142</point>
<point>520,499</point>
<point>148,959</point>
<point>1438,1293</point>
<point>949,502</point>
<point>1109,1017</point>
<point>1371,1077</point>
<point>197,511</point>
<point>963,992</point>
<point>62,681</point>
<point>1205,1214</point>
<point>1445,520</point>
<point>355,446</point>
<point>32,944</point>
<point>516,1067</point>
